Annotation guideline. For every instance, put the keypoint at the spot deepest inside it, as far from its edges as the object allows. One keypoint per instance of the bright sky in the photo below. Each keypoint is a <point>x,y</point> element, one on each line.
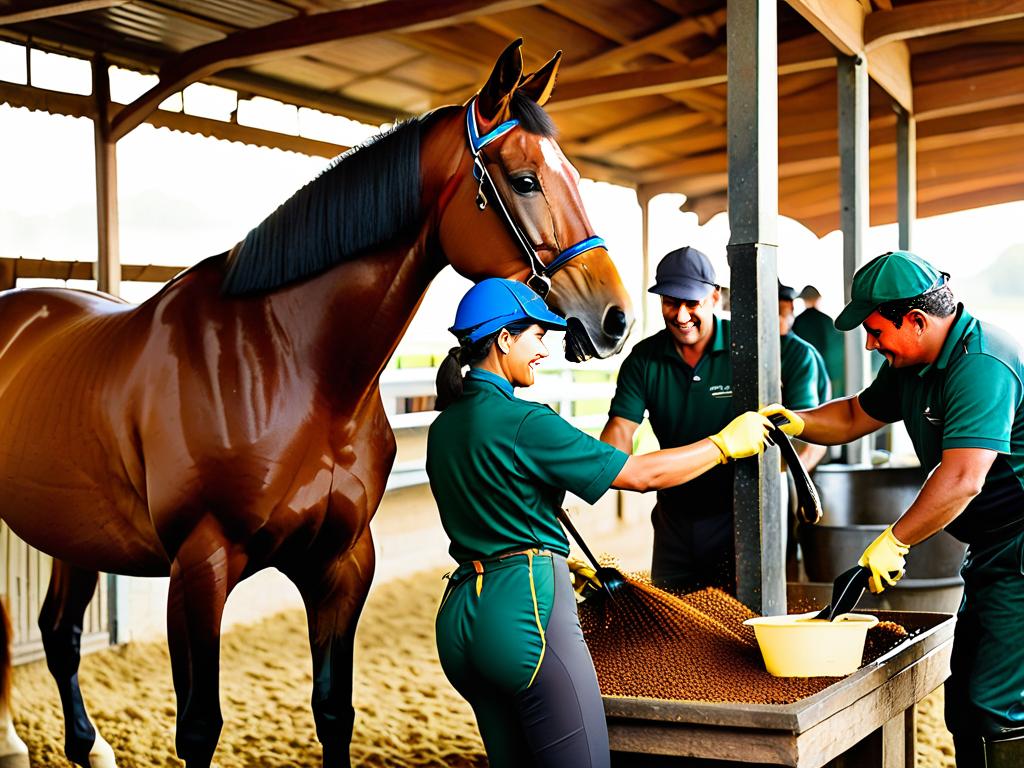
<point>184,197</point>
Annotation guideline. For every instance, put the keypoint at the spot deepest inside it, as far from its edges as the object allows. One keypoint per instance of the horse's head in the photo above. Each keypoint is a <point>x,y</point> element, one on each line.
<point>514,210</point>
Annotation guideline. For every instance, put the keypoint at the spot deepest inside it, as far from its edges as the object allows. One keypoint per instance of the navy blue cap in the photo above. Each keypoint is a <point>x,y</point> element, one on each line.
<point>685,274</point>
<point>786,292</point>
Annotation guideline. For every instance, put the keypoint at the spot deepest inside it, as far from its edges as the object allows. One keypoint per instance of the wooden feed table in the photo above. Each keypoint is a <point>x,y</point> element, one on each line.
<point>866,719</point>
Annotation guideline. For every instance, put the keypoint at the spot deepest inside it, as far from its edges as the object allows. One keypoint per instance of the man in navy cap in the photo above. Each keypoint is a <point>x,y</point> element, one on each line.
<point>958,385</point>
<point>682,378</point>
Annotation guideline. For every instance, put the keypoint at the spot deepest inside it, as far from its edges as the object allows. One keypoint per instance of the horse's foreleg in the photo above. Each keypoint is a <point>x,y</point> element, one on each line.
<point>205,570</point>
<point>13,752</point>
<point>60,624</point>
<point>334,594</point>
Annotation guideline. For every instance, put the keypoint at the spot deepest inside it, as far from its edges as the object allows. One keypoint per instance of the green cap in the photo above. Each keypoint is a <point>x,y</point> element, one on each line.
<point>889,277</point>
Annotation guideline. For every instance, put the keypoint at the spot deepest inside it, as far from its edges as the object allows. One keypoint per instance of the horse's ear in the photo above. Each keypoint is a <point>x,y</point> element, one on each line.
<point>539,85</point>
<point>496,94</point>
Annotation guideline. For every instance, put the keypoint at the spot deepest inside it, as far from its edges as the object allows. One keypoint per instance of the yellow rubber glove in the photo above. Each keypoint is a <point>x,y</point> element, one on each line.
<point>885,557</point>
<point>743,436</point>
<point>583,574</point>
<point>795,425</point>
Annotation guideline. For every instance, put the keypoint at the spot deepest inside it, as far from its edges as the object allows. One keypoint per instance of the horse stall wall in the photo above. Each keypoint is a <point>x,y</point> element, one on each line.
<point>24,578</point>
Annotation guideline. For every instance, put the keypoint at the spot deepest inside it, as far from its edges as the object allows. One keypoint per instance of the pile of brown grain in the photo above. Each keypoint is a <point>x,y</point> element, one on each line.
<point>692,647</point>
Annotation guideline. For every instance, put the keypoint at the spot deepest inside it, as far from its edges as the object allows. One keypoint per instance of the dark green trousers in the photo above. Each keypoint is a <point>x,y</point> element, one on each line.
<point>510,642</point>
<point>985,690</point>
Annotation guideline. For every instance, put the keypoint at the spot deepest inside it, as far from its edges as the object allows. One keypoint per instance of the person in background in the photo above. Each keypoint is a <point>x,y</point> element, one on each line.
<point>815,327</point>
<point>681,377</point>
<point>957,383</point>
<point>807,375</point>
<point>508,634</point>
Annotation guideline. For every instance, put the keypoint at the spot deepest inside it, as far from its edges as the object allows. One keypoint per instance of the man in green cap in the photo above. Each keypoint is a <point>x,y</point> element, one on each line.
<point>958,386</point>
<point>682,378</point>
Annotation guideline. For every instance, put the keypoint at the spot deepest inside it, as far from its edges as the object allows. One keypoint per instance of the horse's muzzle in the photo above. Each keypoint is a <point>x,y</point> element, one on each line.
<point>578,346</point>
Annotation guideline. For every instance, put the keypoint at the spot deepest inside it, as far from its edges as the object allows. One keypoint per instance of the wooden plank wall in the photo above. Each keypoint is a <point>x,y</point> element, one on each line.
<point>24,577</point>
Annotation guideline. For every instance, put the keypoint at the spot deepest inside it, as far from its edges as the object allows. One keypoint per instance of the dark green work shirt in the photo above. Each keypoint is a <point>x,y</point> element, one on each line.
<point>817,328</point>
<point>805,379</point>
<point>687,404</point>
<point>972,396</point>
<point>499,468</point>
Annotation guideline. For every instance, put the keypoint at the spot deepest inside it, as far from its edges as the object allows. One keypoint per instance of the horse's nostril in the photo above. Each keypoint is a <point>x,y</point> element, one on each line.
<point>614,322</point>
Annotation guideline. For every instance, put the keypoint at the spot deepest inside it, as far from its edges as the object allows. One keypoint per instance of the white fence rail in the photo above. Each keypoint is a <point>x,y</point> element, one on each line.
<point>581,395</point>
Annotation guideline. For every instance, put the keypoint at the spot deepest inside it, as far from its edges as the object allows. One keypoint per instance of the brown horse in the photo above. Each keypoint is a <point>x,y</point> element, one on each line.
<point>234,422</point>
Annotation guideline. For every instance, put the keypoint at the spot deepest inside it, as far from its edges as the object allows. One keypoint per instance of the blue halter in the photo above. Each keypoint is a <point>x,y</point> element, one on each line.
<point>540,280</point>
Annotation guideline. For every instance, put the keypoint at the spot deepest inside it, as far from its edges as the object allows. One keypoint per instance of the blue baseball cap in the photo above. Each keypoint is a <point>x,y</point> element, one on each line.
<point>685,274</point>
<point>890,277</point>
<point>492,304</point>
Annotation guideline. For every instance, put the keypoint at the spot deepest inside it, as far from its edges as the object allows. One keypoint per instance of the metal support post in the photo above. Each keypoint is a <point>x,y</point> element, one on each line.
<point>906,176</point>
<point>753,220</point>
<point>853,213</point>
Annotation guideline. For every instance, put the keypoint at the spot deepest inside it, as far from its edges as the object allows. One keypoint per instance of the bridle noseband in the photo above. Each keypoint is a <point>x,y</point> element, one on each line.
<point>540,278</point>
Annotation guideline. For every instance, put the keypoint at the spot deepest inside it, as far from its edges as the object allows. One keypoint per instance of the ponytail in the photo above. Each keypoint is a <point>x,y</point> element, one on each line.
<point>449,379</point>
<point>449,374</point>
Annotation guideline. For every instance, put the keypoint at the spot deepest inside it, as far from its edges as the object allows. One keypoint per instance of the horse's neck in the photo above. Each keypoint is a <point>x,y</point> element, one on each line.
<point>368,303</point>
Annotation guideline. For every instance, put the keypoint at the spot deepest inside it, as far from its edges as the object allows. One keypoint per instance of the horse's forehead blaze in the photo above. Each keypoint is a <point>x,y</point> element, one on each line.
<point>556,160</point>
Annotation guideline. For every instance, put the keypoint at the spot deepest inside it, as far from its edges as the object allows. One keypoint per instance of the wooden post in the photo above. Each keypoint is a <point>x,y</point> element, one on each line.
<point>8,274</point>
<point>108,261</point>
<point>753,219</point>
<point>906,176</point>
<point>644,199</point>
<point>853,212</point>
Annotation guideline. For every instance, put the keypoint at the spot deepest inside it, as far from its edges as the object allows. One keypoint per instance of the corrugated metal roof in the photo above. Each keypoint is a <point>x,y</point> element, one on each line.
<point>617,128</point>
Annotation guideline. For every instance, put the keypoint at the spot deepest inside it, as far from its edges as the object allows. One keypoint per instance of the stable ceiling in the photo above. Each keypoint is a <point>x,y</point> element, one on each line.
<point>641,98</point>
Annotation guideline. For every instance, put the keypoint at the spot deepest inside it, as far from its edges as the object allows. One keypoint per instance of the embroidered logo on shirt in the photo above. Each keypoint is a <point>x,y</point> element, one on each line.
<point>720,390</point>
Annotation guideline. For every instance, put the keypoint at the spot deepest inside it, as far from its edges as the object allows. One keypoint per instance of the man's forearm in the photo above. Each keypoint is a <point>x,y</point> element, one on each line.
<point>942,498</point>
<point>837,422</point>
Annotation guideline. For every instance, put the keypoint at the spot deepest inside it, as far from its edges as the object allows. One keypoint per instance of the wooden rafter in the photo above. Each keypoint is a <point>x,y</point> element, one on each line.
<point>799,55</point>
<point>842,24</point>
<point>1003,88</point>
<point>664,123</point>
<point>20,12</point>
<point>813,164</point>
<point>287,38</point>
<point>652,43</point>
<point>934,17</point>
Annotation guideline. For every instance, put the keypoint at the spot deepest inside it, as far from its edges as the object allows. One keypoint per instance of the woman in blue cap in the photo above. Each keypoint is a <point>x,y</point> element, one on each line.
<point>507,630</point>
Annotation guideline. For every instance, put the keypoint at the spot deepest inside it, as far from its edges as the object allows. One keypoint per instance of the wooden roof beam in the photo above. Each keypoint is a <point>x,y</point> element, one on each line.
<point>842,23</point>
<point>991,90</point>
<point>294,36</point>
<point>935,17</point>
<point>16,13</point>
<point>622,54</point>
<point>885,213</point>
<point>810,165</point>
<point>799,55</point>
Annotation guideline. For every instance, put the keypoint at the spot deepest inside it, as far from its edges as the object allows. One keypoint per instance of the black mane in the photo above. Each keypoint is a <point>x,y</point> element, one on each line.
<point>366,196</point>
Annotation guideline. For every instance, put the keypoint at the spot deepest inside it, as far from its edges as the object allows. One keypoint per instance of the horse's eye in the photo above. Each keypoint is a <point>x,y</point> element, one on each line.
<point>524,185</point>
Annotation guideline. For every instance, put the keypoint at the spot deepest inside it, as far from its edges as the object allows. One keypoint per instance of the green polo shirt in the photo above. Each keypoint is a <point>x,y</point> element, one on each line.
<point>805,381</point>
<point>499,468</point>
<point>817,328</point>
<point>972,396</point>
<point>687,404</point>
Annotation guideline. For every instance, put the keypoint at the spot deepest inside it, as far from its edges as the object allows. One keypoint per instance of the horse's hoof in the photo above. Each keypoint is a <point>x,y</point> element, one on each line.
<point>13,749</point>
<point>101,755</point>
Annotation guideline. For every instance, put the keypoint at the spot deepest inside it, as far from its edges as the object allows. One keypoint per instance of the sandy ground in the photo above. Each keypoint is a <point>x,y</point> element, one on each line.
<point>407,714</point>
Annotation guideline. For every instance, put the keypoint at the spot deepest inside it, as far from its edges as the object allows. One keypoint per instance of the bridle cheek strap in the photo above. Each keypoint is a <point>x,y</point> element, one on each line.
<point>540,280</point>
